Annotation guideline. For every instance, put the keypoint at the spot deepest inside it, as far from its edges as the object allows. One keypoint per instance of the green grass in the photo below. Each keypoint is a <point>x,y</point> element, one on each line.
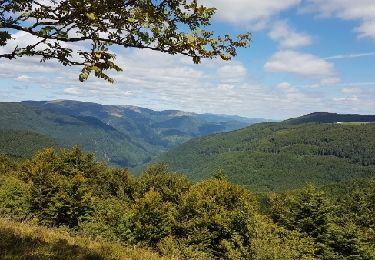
<point>28,241</point>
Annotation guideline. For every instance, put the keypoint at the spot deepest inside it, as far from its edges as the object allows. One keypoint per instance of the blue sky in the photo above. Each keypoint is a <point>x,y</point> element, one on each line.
<point>306,56</point>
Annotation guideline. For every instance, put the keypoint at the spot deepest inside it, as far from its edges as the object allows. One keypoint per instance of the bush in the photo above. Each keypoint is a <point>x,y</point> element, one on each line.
<point>7,166</point>
<point>152,219</point>
<point>110,220</point>
<point>170,186</point>
<point>61,192</point>
<point>14,197</point>
<point>215,217</point>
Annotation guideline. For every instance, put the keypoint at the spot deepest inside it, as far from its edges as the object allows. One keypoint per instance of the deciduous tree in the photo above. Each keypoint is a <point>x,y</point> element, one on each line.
<point>168,26</point>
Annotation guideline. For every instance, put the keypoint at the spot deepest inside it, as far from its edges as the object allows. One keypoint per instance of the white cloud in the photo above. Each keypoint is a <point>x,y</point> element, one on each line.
<point>351,90</point>
<point>73,91</point>
<point>23,78</point>
<point>232,73</point>
<point>367,29</point>
<point>350,56</point>
<point>363,10</point>
<point>288,37</point>
<point>355,99</point>
<point>346,99</point>
<point>296,96</point>
<point>250,12</point>
<point>304,65</point>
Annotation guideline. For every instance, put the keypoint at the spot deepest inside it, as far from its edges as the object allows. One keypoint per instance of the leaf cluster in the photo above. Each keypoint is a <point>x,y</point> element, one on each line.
<point>168,26</point>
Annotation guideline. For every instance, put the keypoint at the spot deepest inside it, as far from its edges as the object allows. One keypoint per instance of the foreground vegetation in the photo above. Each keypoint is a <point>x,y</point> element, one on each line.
<point>68,190</point>
<point>29,241</point>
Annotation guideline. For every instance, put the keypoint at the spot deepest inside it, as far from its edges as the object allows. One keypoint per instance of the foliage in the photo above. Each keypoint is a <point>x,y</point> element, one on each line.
<point>311,212</point>
<point>164,211</point>
<point>14,197</point>
<point>7,166</point>
<point>61,190</point>
<point>217,216</point>
<point>169,185</point>
<point>152,218</point>
<point>170,26</point>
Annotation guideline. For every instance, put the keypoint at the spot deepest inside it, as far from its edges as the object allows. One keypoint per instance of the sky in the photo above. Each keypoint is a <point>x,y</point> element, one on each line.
<point>305,56</point>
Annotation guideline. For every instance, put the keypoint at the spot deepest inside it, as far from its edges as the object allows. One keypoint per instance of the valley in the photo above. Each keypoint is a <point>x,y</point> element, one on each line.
<point>123,136</point>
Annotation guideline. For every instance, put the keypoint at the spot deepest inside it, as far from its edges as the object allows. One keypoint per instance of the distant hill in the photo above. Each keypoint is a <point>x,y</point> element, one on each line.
<point>281,156</point>
<point>324,117</point>
<point>156,130</point>
<point>90,133</point>
<point>126,136</point>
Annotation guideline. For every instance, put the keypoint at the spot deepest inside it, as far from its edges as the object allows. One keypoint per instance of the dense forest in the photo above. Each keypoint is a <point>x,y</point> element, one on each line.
<point>281,156</point>
<point>162,214</point>
<point>21,144</point>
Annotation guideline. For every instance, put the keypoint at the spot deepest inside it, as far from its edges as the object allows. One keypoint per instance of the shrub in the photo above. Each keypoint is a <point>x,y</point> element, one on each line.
<point>14,197</point>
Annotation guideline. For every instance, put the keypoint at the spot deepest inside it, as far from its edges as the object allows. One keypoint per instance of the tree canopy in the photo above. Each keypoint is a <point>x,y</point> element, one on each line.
<point>168,26</point>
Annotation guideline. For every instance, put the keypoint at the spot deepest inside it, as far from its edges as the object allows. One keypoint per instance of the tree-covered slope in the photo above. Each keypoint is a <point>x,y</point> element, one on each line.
<point>156,130</point>
<point>23,144</point>
<point>280,156</point>
<point>89,133</point>
<point>121,135</point>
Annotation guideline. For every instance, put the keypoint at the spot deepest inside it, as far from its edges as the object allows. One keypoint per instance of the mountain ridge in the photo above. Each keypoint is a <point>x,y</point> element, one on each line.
<point>327,117</point>
<point>125,136</point>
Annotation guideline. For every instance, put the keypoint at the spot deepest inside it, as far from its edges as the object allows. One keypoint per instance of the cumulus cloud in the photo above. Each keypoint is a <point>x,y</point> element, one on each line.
<point>288,37</point>
<point>304,65</point>
<point>355,99</point>
<point>367,29</point>
<point>363,10</point>
<point>250,12</point>
<point>232,73</point>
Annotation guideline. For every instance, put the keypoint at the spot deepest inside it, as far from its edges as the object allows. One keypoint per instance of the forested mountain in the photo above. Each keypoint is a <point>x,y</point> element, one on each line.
<point>159,129</point>
<point>125,136</point>
<point>281,156</point>
<point>91,134</point>
<point>325,117</point>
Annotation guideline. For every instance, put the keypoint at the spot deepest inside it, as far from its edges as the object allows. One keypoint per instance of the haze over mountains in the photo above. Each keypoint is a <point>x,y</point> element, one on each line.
<point>125,136</point>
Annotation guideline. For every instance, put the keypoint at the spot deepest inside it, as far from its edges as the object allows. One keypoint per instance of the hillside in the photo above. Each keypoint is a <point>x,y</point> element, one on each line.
<point>280,156</point>
<point>23,144</point>
<point>156,130</point>
<point>125,136</point>
<point>324,117</point>
<point>89,133</point>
